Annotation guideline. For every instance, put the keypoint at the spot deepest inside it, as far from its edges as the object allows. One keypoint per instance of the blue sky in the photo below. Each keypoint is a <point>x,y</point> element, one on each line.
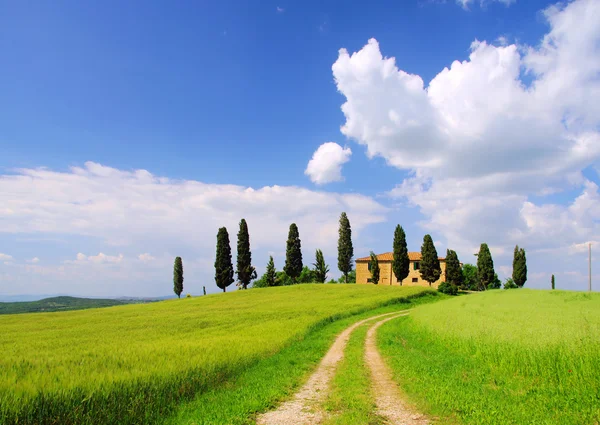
<point>243,93</point>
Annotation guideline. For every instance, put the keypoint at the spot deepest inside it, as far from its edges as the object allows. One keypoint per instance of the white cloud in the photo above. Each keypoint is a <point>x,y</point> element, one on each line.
<point>34,260</point>
<point>133,212</point>
<point>101,258</point>
<point>7,259</point>
<point>146,257</point>
<point>280,9</point>
<point>479,142</point>
<point>326,163</point>
<point>465,3</point>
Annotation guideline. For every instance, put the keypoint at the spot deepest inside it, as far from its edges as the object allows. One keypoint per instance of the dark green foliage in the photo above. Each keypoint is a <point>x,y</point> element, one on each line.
<point>293,254</point>
<point>307,275</point>
<point>246,273</point>
<point>345,249</point>
<point>510,284</point>
<point>495,284</point>
<point>470,277</point>
<point>552,280</point>
<point>351,278</point>
<point>430,263</point>
<point>270,275</point>
<point>223,265</point>
<point>454,274</point>
<point>485,267</point>
<point>400,263</point>
<point>519,274</point>
<point>448,288</point>
<point>321,269</point>
<point>375,271</point>
<point>178,277</point>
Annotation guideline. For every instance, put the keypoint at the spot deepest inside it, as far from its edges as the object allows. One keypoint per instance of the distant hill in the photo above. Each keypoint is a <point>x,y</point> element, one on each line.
<point>60,304</point>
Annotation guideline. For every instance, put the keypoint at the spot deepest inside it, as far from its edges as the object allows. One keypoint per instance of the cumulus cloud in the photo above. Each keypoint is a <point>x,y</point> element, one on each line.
<point>6,258</point>
<point>326,163</point>
<point>34,260</point>
<point>479,141</point>
<point>128,212</point>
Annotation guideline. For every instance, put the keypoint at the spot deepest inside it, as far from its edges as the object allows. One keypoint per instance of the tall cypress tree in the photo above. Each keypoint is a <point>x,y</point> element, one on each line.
<point>375,271</point>
<point>401,262</point>
<point>270,273</point>
<point>223,266</point>
<point>485,267</point>
<point>454,274</point>
<point>321,269</point>
<point>430,263</point>
<point>293,254</point>
<point>245,271</point>
<point>178,277</point>
<point>519,274</point>
<point>552,280</point>
<point>345,249</point>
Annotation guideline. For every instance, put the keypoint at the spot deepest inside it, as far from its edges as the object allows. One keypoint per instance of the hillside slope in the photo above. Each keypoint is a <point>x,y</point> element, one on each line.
<point>56,304</point>
<point>501,357</point>
<point>128,364</point>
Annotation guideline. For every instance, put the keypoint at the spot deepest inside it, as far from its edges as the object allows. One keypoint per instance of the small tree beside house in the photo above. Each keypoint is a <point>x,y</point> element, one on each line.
<point>400,262</point>
<point>374,266</point>
<point>430,263</point>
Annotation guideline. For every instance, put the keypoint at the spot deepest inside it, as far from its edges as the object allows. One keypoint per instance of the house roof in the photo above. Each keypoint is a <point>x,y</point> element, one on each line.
<point>389,256</point>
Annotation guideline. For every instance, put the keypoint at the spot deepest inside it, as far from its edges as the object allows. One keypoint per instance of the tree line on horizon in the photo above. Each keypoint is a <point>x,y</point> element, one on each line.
<point>466,277</point>
<point>294,271</point>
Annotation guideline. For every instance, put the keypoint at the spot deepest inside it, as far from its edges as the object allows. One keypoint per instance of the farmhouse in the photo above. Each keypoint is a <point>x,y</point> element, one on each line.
<point>387,277</point>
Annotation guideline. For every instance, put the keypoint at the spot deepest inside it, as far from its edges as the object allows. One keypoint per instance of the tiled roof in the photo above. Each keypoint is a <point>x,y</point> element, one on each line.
<point>389,256</point>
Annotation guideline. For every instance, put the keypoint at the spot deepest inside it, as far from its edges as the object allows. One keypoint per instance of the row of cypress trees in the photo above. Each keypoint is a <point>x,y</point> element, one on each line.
<point>224,271</point>
<point>430,268</point>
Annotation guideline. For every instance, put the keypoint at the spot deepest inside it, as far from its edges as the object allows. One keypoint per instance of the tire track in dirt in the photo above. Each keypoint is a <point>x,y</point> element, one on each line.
<point>304,407</point>
<point>388,399</point>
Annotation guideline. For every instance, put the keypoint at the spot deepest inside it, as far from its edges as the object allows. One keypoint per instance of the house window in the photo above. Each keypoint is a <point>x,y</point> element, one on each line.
<point>417,265</point>
<point>415,279</point>
<point>369,280</point>
<point>369,265</point>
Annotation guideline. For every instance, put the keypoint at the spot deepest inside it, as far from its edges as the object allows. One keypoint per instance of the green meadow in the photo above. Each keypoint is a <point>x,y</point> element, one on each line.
<point>501,357</point>
<point>136,363</point>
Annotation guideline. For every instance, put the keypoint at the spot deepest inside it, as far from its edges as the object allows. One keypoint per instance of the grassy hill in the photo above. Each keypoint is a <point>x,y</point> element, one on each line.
<point>57,304</point>
<point>501,357</point>
<point>131,364</point>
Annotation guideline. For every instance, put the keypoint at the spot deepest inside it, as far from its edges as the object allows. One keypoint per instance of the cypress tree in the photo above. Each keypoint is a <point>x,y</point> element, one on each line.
<point>293,254</point>
<point>270,273</point>
<point>345,249</point>
<point>178,277</point>
<point>519,274</point>
<point>552,280</point>
<point>430,263</point>
<point>245,271</point>
<point>454,274</point>
<point>321,269</point>
<point>485,267</point>
<point>375,272</point>
<point>223,266</point>
<point>400,263</point>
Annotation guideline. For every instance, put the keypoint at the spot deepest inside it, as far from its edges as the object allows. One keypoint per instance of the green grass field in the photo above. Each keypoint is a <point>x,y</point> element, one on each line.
<point>133,364</point>
<point>501,357</point>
